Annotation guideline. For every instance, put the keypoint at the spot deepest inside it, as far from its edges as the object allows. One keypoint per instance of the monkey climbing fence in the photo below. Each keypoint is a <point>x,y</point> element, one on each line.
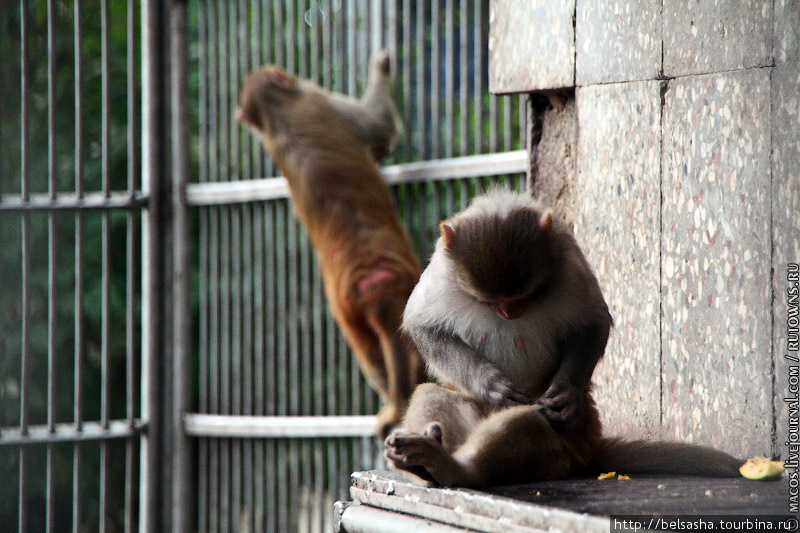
<point>229,401</point>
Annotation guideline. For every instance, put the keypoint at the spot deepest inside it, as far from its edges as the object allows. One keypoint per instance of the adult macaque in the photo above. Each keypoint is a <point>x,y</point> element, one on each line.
<point>325,144</point>
<point>508,313</point>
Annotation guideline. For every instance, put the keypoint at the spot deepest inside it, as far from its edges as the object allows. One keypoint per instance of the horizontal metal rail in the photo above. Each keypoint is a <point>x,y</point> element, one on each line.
<point>273,427</point>
<point>232,192</point>
<point>68,432</point>
<point>72,201</point>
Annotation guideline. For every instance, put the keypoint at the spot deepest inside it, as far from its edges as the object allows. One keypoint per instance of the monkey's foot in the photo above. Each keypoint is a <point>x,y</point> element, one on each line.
<point>423,455</point>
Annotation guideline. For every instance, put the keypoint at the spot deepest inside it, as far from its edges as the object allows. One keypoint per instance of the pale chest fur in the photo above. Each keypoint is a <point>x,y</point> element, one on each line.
<point>525,349</point>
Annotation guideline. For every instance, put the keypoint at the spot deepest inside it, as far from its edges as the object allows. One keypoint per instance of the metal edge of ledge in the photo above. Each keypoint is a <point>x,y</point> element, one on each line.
<point>463,508</point>
<point>350,518</point>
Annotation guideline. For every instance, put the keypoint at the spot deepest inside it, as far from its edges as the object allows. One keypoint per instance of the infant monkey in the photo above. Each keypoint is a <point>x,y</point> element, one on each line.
<point>508,313</point>
<point>326,144</point>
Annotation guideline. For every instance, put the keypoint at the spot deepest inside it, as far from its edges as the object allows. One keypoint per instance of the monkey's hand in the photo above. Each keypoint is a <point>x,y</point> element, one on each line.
<point>490,385</point>
<point>563,406</point>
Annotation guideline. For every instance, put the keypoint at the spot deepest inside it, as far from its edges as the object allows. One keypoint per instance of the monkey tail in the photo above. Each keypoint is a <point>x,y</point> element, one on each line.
<point>645,457</point>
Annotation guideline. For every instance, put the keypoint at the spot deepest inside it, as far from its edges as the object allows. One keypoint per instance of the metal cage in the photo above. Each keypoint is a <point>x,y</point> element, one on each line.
<point>167,357</point>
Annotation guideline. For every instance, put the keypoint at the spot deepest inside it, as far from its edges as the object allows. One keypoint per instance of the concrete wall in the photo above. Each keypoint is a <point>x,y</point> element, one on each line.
<point>673,146</point>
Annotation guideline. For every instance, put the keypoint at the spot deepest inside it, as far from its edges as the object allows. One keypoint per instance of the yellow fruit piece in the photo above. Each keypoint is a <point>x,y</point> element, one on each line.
<point>607,475</point>
<point>761,468</point>
<point>623,477</point>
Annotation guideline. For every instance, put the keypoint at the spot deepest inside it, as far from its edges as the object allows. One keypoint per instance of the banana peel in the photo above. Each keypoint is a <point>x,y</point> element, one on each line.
<point>761,468</point>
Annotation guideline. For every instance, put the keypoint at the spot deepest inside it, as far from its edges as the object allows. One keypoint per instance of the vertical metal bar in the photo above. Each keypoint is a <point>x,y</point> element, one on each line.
<point>351,58</point>
<point>450,93</point>
<point>407,58</point>
<point>51,269</point>
<point>315,34</point>
<point>215,364</point>
<point>259,354</point>
<point>26,263</point>
<point>248,382</point>
<point>225,364</point>
<point>205,323</point>
<point>235,378</point>
<point>422,144</point>
<point>435,94</point>
<point>477,54</point>
<point>376,26</point>
<point>182,467</point>
<point>463,79</point>
<point>274,354</point>
<point>76,494</point>
<point>300,40</point>
<point>508,126</point>
<point>291,36</point>
<point>130,290</point>
<point>281,359</point>
<point>327,46</point>
<point>278,31</point>
<point>150,510</point>
<point>105,327</point>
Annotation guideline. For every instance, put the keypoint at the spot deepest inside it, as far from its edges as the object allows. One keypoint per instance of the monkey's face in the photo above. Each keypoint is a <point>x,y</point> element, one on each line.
<point>503,262</point>
<point>264,92</point>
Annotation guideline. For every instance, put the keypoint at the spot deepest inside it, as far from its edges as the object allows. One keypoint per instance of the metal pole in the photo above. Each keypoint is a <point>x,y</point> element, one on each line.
<point>151,482</point>
<point>182,470</point>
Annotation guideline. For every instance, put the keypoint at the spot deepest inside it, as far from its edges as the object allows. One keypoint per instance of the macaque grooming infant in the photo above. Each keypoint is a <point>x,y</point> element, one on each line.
<point>326,144</point>
<point>509,317</point>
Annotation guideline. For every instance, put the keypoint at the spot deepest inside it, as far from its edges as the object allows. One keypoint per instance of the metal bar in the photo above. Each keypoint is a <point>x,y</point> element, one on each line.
<point>150,486</point>
<point>225,193</point>
<point>435,94</point>
<point>463,84</point>
<point>259,356</point>
<point>421,143</point>
<point>51,271</point>
<point>214,362</point>
<point>204,314</point>
<point>130,289</point>
<point>409,138</point>
<point>449,91</point>
<point>72,201</point>
<point>225,364</point>
<point>278,427</point>
<point>67,432</point>
<point>299,40</point>
<point>105,326</point>
<point>22,513</point>
<point>477,81</point>
<point>182,465</point>
<point>76,454</point>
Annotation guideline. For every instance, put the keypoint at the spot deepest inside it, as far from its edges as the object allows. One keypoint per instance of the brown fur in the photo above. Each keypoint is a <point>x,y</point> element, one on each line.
<point>369,266</point>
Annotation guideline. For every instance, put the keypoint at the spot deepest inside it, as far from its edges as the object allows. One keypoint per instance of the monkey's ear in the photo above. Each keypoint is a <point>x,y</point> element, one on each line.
<point>448,234</point>
<point>546,221</point>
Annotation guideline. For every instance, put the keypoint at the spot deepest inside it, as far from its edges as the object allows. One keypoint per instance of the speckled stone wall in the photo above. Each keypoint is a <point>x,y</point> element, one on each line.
<point>524,60</point>
<point>686,199</point>
<point>620,41</point>
<point>785,233</point>
<point>619,156</point>
<point>715,260</point>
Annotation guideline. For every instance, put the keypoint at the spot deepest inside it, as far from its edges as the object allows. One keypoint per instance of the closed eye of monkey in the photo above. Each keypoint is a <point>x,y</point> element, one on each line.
<point>509,316</point>
<point>326,144</point>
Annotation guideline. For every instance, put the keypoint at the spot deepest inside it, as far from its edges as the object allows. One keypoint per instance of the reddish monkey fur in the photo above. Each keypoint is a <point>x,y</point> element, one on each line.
<point>325,144</point>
